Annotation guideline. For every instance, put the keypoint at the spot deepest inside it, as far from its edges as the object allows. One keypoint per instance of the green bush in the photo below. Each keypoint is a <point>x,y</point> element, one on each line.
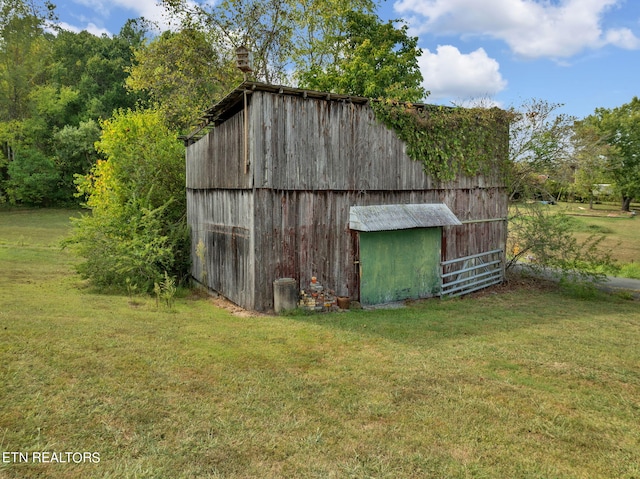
<point>33,178</point>
<point>545,241</point>
<point>136,233</point>
<point>137,246</point>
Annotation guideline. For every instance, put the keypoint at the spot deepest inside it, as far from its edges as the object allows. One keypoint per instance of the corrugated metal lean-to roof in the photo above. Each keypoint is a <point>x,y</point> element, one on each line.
<point>400,217</point>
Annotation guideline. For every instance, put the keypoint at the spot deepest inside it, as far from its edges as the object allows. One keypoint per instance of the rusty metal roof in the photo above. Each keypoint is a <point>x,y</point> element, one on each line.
<point>400,217</point>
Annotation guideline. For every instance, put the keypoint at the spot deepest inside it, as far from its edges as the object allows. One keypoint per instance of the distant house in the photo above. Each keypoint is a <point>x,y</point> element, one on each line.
<point>289,183</point>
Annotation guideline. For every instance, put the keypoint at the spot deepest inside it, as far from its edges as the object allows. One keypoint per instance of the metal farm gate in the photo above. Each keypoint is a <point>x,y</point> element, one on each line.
<point>465,275</point>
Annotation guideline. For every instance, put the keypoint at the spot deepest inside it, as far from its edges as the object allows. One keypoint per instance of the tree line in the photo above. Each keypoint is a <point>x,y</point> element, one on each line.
<point>57,86</point>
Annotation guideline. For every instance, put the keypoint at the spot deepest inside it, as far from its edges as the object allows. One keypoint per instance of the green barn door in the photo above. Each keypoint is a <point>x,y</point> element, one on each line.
<point>400,264</point>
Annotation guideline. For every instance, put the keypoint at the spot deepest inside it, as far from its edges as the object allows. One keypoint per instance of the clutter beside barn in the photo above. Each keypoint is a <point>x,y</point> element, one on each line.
<point>289,183</point>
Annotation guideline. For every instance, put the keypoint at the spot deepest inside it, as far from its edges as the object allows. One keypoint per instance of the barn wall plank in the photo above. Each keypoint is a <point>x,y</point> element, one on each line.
<point>313,144</point>
<point>217,159</point>
<point>300,234</point>
<point>222,221</point>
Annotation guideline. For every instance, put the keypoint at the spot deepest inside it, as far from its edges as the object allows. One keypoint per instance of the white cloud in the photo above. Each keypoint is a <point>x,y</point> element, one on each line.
<point>531,28</point>
<point>99,6</point>
<point>149,9</point>
<point>90,27</point>
<point>450,74</point>
<point>623,38</point>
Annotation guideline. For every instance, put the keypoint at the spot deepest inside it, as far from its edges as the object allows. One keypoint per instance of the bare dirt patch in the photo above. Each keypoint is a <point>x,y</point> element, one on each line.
<point>224,303</point>
<point>515,282</point>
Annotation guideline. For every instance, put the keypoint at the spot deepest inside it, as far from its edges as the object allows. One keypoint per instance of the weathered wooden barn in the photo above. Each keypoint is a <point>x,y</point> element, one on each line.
<point>288,183</point>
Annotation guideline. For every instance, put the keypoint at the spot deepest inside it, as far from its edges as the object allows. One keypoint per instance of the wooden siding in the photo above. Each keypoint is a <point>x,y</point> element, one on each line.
<point>223,221</point>
<point>217,159</point>
<point>310,144</point>
<point>300,234</point>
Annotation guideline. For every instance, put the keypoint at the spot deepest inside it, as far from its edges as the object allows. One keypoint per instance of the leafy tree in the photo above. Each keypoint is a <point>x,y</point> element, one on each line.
<point>53,107</point>
<point>283,35</point>
<point>49,82</point>
<point>137,229</point>
<point>183,73</point>
<point>97,67</point>
<point>620,128</point>
<point>539,146</point>
<point>590,155</point>
<point>24,51</point>
<point>321,22</point>
<point>75,153</point>
<point>264,26</point>
<point>8,131</point>
<point>371,59</point>
<point>33,178</point>
<point>332,45</point>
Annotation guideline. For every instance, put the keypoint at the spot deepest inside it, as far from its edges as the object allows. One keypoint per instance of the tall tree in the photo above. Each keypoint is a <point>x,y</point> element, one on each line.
<point>620,128</point>
<point>591,157</point>
<point>539,144</point>
<point>283,35</point>
<point>24,51</point>
<point>49,81</point>
<point>541,148</point>
<point>369,58</point>
<point>182,73</point>
<point>263,26</point>
<point>97,67</point>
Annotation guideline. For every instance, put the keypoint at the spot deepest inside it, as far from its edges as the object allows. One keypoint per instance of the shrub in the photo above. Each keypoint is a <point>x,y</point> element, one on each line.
<point>546,242</point>
<point>138,245</point>
<point>137,230</point>
<point>33,178</point>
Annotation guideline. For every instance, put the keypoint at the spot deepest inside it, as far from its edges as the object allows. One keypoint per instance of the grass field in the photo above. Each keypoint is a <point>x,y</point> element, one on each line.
<point>518,382</point>
<point>621,231</point>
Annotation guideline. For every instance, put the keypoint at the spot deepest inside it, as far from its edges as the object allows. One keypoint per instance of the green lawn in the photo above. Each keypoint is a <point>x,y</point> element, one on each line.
<point>622,231</point>
<point>521,382</point>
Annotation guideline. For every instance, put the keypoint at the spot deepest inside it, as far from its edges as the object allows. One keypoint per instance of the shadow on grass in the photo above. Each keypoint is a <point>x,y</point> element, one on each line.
<point>494,311</point>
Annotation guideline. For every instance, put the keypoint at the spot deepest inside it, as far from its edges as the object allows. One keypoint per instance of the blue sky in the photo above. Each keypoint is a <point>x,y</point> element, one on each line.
<point>582,53</point>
